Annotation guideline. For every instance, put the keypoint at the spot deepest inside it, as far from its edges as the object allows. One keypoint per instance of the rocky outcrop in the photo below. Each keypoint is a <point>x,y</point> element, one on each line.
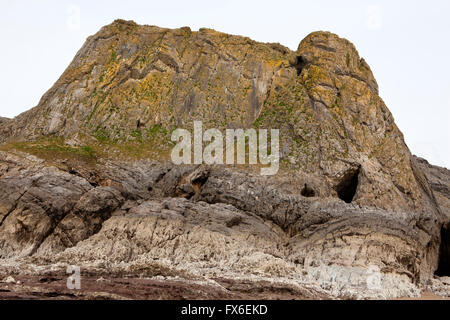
<point>131,82</point>
<point>439,179</point>
<point>234,226</point>
<point>38,201</point>
<point>351,214</point>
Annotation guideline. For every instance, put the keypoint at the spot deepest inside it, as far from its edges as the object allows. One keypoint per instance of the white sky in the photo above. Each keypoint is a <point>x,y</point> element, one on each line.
<point>406,43</point>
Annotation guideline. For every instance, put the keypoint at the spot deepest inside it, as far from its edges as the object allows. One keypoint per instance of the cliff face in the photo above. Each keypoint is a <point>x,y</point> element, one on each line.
<point>439,179</point>
<point>139,83</point>
<point>349,194</point>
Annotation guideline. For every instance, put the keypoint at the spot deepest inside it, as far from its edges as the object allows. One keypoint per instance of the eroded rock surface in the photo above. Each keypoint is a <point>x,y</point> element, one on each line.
<point>138,83</point>
<point>351,213</point>
<point>234,225</point>
<point>439,179</point>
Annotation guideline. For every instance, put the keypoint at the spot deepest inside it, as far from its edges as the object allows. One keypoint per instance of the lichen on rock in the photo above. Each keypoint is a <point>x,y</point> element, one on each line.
<point>349,194</point>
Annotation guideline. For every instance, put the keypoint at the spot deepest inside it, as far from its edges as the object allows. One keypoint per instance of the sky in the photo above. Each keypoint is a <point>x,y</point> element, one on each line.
<point>406,44</point>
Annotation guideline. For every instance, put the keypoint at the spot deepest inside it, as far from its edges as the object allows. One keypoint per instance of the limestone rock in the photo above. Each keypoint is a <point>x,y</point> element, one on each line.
<point>234,225</point>
<point>439,180</point>
<point>138,83</point>
<point>351,214</point>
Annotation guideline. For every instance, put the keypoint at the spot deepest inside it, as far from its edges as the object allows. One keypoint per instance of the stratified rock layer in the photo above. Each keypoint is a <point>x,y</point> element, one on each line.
<point>349,198</point>
<point>138,219</point>
<point>141,82</point>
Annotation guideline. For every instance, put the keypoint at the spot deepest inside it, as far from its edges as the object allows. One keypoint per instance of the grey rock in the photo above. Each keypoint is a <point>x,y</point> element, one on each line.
<point>208,221</point>
<point>353,214</point>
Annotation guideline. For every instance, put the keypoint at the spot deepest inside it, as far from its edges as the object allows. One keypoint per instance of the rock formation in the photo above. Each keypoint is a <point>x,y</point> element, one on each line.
<point>87,180</point>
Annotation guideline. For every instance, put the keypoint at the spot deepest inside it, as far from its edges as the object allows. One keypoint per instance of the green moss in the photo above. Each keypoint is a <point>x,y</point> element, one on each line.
<point>92,113</point>
<point>51,149</point>
<point>137,134</point>
<point>155,130</point>
<point>258,122</point>
<point>113,58</point>
<point>101,134</point>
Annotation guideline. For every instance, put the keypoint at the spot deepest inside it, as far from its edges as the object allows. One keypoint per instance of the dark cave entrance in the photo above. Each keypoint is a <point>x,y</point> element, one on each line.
<point>300,64</point>
<point>444,253</point>
<point>346,189</point>
<point>308,192</point>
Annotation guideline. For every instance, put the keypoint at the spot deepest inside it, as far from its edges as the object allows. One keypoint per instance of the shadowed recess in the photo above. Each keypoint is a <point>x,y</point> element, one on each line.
<point>308,192</point>
<point>346,189</point>
<point>444,252</point>
<point>300,64</point>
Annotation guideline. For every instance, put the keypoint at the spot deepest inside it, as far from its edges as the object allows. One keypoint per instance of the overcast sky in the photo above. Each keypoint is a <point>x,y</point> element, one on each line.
<point>406,43</point>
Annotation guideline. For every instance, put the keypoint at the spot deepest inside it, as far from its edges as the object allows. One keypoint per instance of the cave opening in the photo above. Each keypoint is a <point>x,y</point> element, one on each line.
<point>308,192</point>
<point>300,64</point>
<point>443,269</point>
<point>346,189</point>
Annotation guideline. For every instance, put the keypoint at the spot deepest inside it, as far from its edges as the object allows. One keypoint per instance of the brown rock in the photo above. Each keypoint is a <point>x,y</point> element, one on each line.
<point>349,197</point>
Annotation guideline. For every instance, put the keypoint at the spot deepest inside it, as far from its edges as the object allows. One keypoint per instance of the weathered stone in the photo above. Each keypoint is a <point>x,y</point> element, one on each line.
<point>349,197</point>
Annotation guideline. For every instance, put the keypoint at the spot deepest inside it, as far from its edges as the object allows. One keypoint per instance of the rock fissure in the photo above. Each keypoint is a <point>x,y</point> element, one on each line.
<point>14,207</point>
